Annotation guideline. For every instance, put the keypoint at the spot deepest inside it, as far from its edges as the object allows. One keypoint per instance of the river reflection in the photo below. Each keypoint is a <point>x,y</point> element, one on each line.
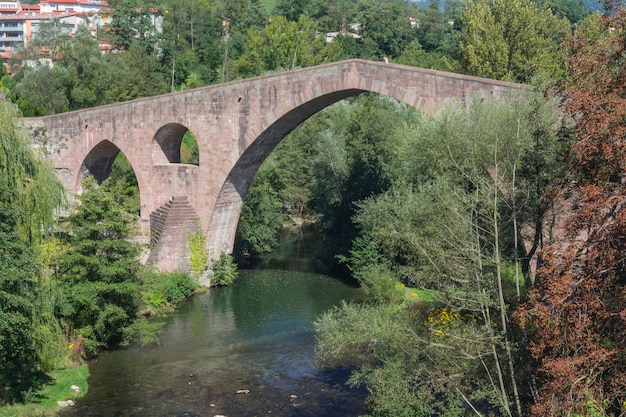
<point>256,335</point>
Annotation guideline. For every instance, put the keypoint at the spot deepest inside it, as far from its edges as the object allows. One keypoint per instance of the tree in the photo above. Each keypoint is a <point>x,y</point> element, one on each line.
<point>224,270</point>
<point>29,193</point>
<point>283,45</point>
<point>512,40</point>
<point>446,226</point>
<point>35,189</point>
<point>98,272</point>
<point>243,15</point>
<point>386,28</point>
<point>574,11</point>
<point>291,9</point>
<point>438,29</point>
<point>91,75</point>
<point>81,76</point>
<point>137,75</point>
<point>261,219</point>
<point>576,315</point>
<point>130,20</point>
<point>191,44</point>
<point>43,90</point>
<point>20,359</point>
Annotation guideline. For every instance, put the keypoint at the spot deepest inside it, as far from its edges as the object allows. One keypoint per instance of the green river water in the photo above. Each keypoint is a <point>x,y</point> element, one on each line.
<point>256,335</point>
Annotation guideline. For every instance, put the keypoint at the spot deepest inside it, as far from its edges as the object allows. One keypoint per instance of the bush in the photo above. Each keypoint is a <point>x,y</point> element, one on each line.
<point>199,255</point>
<point>161,291</point>
<point>224,270</point>
<point>384,289</point>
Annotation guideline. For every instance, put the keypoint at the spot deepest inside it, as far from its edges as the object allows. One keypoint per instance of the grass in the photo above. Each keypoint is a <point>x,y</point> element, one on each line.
<point>416,295</point>
<point>44,403</point>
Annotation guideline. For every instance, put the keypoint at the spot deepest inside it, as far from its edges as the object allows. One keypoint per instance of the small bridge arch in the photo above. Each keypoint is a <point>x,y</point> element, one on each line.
<point>236,125</point>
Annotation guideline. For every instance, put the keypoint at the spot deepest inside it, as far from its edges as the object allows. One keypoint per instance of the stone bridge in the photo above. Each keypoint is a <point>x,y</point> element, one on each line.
<point>236,126</point>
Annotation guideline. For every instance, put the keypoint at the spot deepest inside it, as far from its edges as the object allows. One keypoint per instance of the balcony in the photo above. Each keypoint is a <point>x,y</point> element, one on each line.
<point>11,28</point>
<point>8,38</point>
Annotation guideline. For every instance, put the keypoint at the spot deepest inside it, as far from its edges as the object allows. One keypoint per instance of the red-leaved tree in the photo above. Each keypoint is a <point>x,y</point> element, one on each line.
<point>576,315</point>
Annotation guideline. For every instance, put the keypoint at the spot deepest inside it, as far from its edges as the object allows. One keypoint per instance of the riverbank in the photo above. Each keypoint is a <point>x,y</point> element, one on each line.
<point>243,350</point>
<point>161,293</point>
<point>66,383</point>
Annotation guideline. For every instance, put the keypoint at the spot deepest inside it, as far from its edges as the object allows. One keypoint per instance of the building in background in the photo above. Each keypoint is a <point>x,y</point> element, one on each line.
<point>19,22</point>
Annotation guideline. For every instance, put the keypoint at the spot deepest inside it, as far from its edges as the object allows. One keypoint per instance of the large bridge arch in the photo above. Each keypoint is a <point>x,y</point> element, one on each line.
<point>230,199</point>
<point>427,94</point>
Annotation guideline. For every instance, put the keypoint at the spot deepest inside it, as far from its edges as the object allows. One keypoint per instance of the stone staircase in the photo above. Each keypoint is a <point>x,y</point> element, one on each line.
<point>170,225</point>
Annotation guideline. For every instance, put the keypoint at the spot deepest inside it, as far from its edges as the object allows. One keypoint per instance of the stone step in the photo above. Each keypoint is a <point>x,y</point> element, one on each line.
<point>170,226</point>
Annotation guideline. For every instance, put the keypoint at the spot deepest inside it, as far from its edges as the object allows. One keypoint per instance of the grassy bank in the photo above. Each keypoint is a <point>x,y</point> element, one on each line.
<point>44,403</point>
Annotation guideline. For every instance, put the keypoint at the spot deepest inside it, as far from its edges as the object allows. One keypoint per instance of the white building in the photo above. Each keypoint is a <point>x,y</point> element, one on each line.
<point>75,6</point>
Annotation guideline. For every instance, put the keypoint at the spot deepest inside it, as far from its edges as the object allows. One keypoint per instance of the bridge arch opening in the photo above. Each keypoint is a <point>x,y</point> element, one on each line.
<point>174,143</point>
<point>233,198</point>
<point>99,161</point>
<point>105,161</point>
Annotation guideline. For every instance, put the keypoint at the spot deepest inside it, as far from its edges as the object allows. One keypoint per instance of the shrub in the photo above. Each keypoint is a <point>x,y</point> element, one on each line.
<point>198,253</point>
<point>160,291</point>
<point>224,270</point>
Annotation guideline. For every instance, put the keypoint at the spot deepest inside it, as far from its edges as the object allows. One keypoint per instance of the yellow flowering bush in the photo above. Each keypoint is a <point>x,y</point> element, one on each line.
<point>444,322</point>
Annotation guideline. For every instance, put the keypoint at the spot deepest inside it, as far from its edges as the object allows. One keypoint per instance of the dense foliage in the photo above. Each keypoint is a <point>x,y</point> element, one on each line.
<point>19,293</point>
<point>445,225</point>
<point>512,40</point>
<point>97,273</point>
<point>29,192</point>
<point>224,270</point>
<point>205,42</point>
<point>576,313</point>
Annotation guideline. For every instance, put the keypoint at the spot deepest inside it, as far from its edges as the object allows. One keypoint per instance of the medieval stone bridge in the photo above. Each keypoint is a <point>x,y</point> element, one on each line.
<point>236,126</point>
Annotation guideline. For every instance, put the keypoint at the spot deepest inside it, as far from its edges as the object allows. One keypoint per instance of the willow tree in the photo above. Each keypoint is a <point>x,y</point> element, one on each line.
<point>29,192</point>
<point>30,183</point>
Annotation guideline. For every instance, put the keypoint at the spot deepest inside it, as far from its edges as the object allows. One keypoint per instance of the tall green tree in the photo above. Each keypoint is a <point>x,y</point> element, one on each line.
<point>512,40</point>
<point>130,20</point>
<point>438,29</point>
<point>29,194</point>
<point>20,358</point>
<point>43,90</point>
<point>137,74</point>
<point>284,44</point>
<point>386,28</point>
<point>97,274</point>
<point>191,44</point>
<point>91,74</point>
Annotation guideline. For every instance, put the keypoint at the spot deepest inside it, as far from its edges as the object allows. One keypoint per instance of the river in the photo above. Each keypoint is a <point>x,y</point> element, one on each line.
<point>255,337</point>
